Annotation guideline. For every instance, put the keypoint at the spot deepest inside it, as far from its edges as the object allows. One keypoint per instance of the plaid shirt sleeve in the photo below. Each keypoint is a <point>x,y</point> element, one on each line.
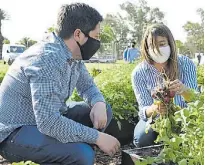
<point>87,89</point>
<point>45,90</point>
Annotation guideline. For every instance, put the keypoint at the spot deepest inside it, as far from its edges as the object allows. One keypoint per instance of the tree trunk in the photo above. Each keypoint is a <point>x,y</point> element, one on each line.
<point>1,42</point>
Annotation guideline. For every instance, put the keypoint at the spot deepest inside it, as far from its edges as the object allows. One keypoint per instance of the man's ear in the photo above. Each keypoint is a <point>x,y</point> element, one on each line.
<point>77,35</point>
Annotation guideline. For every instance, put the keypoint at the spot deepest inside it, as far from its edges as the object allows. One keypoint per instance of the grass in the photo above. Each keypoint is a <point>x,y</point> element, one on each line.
<point>102,66</point>
<point>3,68</point>
<point>90,66</point>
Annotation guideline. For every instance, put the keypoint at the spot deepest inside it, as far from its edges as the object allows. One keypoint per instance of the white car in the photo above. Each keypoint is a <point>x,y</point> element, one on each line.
<point>107,59</point>
<point>11,51</point>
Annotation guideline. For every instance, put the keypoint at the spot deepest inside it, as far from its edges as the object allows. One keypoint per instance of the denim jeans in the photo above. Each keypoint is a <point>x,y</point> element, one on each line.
<point>27,143</point>
<point>141,138</point>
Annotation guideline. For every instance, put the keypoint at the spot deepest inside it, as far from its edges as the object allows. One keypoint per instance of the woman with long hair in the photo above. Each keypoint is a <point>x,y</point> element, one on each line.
<point>160,58</point>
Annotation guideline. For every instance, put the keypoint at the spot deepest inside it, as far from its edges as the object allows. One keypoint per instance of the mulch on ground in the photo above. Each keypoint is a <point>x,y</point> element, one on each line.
<point>101,158</point>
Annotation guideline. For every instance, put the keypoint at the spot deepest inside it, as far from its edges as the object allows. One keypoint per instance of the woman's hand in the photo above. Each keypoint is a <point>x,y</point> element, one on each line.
<point>156,108</point>
<point>177,86</point>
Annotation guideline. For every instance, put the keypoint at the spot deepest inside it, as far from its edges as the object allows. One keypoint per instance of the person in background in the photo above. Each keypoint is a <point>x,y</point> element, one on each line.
<point>199,59</point>
<point>125,53</point>
<point>159,55</point>
<point>132,53</point>
<point>36,123</point>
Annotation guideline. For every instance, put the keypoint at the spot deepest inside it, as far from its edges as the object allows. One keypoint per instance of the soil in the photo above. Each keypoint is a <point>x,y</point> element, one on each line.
<point>101,158</point>
<point>147,151</point>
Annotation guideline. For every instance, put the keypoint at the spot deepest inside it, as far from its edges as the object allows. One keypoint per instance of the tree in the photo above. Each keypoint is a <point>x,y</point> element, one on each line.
<point>200,12</point>
<point>6,41</point>
<point>51,29</point>
<point>179,45</point>
<point>195,34</point>
<point>183,48</point>
<point>139,16</point>
<point>3,16</point>
<point>107,35</point>
<point>118,25</point>
<point>27,42</point>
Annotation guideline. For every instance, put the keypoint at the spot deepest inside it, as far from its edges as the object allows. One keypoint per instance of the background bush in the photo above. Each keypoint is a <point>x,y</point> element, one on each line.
<point>115,85</point>
<point>200,74</point>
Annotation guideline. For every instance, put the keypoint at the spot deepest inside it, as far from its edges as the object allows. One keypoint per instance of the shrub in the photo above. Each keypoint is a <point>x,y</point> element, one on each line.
<point>187,146</point>
<point>25,163</point>
<point>2,74</point>
<point>115,85</point>
<point>95,72</point>
<point>200,74</point>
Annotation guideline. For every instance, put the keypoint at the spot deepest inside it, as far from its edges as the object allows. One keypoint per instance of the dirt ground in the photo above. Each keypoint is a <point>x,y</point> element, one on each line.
<point>101,158</point>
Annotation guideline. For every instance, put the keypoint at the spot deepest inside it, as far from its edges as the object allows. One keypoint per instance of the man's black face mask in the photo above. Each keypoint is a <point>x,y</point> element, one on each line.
<point>89,48</point>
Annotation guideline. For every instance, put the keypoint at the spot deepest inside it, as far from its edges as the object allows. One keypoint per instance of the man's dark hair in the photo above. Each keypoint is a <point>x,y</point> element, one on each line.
<point>76,16</point>
<point>133,44</point>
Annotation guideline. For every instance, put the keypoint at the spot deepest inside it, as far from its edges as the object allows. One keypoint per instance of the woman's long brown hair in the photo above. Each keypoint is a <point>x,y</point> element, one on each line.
<point>160,30</point>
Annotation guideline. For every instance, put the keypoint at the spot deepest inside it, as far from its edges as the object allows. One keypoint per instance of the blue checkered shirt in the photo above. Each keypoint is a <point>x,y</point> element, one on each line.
<point>36,87</point>
<point>145,78</point>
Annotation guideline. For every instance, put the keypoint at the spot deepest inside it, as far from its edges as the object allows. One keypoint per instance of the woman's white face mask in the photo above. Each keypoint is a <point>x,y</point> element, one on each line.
<point>164,55</point>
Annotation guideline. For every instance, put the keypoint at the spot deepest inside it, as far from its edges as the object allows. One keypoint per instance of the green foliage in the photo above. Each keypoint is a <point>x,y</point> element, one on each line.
<point>51,29</point>
<point>6,41</point>
<point>115,85</point>
<point>187,146</point>
<point>25,163</point>
<point>118,25</point>
<point>183,49</point>
<point>27,42</point>
<point>107,35</point>
<point>195,34</point>
<point>95,72</point>
<point>200,74</point>
<point>139,16</point>
<point>3,16</point>
<point>200,12</point>
<point>3,70</point>
<point>75,97</point>
<point>2,74</point>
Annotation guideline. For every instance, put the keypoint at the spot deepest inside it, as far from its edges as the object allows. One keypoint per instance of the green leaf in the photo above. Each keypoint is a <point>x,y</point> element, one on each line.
<point>119,125</point>
<point>183,162</point>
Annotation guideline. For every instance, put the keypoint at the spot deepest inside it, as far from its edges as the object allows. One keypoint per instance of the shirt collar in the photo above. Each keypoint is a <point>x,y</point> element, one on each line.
<point>59,40</point>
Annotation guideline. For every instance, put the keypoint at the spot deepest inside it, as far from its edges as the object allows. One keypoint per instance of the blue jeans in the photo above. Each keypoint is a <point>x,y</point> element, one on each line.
<point>27,143</point>
<point>141,138</point>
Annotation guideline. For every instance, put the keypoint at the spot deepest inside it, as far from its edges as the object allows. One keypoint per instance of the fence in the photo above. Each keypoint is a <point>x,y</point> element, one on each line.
<point>114,50</point>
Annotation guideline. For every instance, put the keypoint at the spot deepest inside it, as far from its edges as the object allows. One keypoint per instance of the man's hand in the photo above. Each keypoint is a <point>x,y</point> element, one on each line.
<point>98,115</point>
<point>107,143</point>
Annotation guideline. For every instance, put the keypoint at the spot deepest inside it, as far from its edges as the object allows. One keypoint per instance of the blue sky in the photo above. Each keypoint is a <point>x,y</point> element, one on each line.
<point>29,18</point>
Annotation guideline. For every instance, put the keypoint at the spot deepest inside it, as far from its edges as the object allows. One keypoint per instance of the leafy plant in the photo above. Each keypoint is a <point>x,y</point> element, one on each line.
<point>115,85</point>
<point>179,129</point>
<point>25,163</point>
<point>187,146</point>
<point>95,72</point>
<point>200,74</point>
<point>2,74</point>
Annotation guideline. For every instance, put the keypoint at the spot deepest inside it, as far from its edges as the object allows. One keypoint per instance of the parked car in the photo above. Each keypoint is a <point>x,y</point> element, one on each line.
<point>11,51</point>
<point>107,59</point>
<point>92,60</point>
